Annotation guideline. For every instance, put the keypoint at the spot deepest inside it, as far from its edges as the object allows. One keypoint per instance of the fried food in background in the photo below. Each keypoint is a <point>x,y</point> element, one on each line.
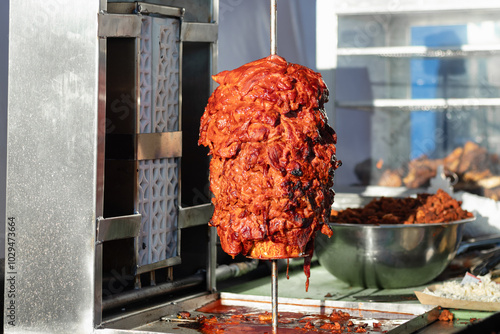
<point>477,171</point>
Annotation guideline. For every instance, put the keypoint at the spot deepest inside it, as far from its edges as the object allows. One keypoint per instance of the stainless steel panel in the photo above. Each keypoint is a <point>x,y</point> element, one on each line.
<point>159,145</point>
<point>51,164</point>
<point>144,8</point>
<point>195,215</point>
<point>147,315</point>
<point>118,227</point>
<point>199,32</point>
<point>115,25</point>
<point>100,172</point>
<point>148,8</point>
<point>172,261</point>
<point>122,7</point>
<point>4,40</point>
<point>195,10</point>
<point>97,309</point>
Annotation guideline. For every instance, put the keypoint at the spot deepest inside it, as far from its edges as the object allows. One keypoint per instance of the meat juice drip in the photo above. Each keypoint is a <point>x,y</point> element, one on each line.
<point>307,270</point>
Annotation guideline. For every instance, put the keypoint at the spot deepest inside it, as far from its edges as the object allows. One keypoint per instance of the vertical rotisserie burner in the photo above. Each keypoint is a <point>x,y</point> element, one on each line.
<point>159,113</point>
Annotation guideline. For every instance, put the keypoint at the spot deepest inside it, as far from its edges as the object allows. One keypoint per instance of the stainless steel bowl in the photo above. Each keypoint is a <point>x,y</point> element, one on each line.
<point>389,256</point>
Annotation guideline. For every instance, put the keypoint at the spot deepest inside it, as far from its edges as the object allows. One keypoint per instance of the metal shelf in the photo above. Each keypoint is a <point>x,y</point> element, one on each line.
<point>421,51</point>
<point>420,104</point>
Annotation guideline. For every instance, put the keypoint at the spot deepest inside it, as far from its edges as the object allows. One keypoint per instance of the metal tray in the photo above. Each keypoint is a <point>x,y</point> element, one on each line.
<point>390,318</point>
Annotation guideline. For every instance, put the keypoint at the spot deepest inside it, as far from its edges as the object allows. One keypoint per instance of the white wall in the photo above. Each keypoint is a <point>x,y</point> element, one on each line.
<point>4,50</point>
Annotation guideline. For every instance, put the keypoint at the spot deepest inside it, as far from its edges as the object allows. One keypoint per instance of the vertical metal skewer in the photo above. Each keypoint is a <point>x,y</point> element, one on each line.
<point>274,33</point>
<point>274,282</point>
<point>274,294</point>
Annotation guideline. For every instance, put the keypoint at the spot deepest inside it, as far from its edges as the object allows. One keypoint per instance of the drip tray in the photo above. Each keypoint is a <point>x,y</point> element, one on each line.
<point>235,313</point>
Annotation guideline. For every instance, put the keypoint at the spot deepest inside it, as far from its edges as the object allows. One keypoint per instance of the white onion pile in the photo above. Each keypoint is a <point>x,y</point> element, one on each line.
<point>482,290</point>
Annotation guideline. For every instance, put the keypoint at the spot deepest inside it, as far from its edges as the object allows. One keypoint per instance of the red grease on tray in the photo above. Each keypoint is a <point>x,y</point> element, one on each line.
<point>288,322</point>
<point>217,307</point>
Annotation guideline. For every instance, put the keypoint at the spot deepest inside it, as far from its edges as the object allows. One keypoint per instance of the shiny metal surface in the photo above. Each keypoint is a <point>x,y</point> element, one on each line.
<point>274,26</point>
<point>419,322</point>
<point>195,10</point>
<point>148,8</point>
<point>4,54</point>
<point>141,321</point>
<point>118,227</point>
<point>195,215</point>
<point>159,145</point>
<point>274,294</point>
<point>390,256</point>
<point>199,32</point>
<point>144,8</point>
<point>211,276</point>
<point>51,164</point>
<point>100,172</point>
<point>115,25</point>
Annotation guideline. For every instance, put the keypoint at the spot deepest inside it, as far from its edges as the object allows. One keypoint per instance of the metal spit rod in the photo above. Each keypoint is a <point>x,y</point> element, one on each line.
<point>274,294</point>
<point>274,34</point>
<point>274,281</point>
